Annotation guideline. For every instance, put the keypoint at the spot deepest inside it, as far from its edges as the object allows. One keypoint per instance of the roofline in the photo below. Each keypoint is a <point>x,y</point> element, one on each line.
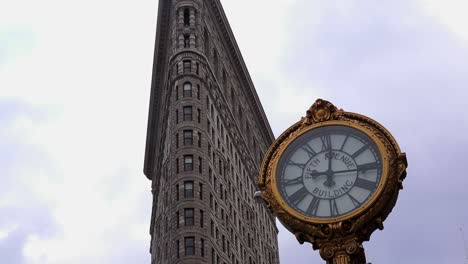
<point>238,56</point>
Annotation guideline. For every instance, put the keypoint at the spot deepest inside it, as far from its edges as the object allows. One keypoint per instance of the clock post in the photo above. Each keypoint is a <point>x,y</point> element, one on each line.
<point>332,179</point>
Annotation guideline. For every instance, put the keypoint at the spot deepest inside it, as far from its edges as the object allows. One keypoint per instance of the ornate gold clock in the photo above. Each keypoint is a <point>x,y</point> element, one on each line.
<point>332,179</point>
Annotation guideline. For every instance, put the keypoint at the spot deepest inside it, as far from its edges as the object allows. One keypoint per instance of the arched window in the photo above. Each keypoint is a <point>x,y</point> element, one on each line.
<point>187,89</point>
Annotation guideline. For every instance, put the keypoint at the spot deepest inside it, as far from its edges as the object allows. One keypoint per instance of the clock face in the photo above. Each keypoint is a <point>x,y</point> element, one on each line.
<point>329,171</point>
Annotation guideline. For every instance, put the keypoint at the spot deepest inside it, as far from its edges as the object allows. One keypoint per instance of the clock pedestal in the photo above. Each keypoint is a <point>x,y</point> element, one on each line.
<point>344,258</point>
<point>343,252</point>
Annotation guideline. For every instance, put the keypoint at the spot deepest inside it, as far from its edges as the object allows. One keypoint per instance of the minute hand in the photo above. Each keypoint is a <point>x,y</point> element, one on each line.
<point>344,171</point>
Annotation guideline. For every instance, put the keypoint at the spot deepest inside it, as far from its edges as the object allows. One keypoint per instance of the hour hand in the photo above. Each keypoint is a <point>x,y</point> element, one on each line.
<point>314,174</point>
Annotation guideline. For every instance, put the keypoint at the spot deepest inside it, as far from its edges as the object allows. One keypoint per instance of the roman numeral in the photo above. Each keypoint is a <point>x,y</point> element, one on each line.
<point>313,206</point>
<point>292,163</point>
<point>293,181</point>
<point>359,151</point>
<point>298,196</point>
<point>365,184</point>
<point>344,142</point>
<point>326,142</point>
<point>309,150</point>
<point>368,166</point>
<point>354,200</point>
<point>333,208</point>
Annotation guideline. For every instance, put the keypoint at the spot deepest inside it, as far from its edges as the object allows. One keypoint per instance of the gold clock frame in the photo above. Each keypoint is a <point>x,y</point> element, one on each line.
<point>353,213</point>
<point>339,239</point>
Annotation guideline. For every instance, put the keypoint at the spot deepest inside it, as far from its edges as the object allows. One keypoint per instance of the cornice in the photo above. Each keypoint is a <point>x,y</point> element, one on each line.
<point>159,62</point>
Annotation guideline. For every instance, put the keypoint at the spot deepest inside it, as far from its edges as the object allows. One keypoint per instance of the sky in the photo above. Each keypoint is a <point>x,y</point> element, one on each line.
<point>74,93</point>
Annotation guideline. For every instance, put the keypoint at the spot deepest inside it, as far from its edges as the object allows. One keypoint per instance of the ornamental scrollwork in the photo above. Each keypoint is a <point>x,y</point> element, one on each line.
<point>339,242</point>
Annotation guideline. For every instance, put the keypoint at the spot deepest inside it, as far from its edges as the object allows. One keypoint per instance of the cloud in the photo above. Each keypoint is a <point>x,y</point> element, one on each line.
<point>72,147</point>
<point>23,214</point>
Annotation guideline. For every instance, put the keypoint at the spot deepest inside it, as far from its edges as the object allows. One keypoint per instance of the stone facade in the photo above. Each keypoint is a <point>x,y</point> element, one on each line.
<point>207,134</point>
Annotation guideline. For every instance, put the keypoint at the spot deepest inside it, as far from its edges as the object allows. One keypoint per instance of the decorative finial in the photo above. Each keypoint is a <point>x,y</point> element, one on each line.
<point>320,111</point>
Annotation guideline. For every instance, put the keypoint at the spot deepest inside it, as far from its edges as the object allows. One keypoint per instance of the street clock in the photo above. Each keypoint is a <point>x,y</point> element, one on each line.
<point>332,179</point>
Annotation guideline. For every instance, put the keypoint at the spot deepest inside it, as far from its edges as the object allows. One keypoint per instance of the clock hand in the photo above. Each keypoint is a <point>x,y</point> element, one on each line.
<point>314,174</point>
<point>342,171</point>
<point>329,182</point>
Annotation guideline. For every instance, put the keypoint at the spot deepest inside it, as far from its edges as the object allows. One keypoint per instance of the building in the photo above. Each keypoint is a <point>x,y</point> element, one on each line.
<point>207,134</point>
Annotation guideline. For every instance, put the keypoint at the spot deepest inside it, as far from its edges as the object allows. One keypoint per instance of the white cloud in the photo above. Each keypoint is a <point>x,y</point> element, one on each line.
<point>83,75</point>
<point>451,13</point>
<point>90,69</point>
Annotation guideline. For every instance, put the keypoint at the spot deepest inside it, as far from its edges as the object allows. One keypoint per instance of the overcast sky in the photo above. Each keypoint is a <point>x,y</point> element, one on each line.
<point>74,93</point>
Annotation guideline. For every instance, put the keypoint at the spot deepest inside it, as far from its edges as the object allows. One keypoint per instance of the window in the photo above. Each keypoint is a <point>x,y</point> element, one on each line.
<point>198,87</point>
<point>202,247</point>
<point>224,78</point>
<point>188,189</point>
<point>189,246</point>
<point>177,116</point>
<point>177,165</point>
<point>201,191</point>
<point>177,140</point>
<point>187,66</point>
<point>188,137</point>
<point>200,162</point>
<point>177,219</point>
<point>202,221</point>
<point>188,163</point>
<point>215,62</point>
<point>207,40</point>
<point>211,201</point>
<point>199,137</point>
<point>212,228</point>
<point>224,243</point>
<point>188,216</point>
<point>186,17</point>
<point>187,89</point>
<point>177,192</point>
<point>186,41</point>
<point>178,248</point>
<point>232,96</point>
<point>177,92</point>
<point>187,113</point>
<point>199,115</point>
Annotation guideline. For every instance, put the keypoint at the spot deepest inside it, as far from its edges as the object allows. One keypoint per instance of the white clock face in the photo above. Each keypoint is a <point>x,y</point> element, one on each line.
<point>329,171</point>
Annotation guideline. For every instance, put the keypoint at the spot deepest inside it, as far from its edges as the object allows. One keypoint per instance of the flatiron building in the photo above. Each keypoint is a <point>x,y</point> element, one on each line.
<point>207,134</point>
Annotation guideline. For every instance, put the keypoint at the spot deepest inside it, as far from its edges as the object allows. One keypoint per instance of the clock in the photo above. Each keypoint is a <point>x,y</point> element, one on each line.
<point>329,171</point>
<point>332,178</point>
